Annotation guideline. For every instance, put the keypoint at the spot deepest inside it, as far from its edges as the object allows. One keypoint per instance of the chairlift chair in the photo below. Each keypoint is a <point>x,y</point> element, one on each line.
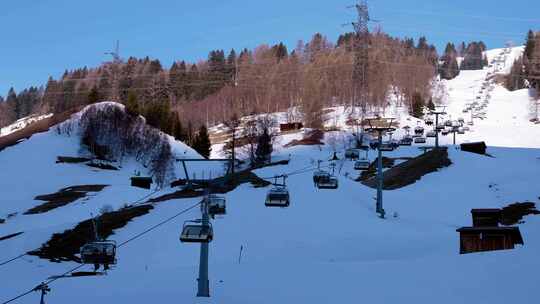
<point>352,154</point>
<point>278,196</point>
<point>440,126</point>
<point>418,130</point>
<point>196,232</point>
<point>317,175</point>
<point>429,121</point>
<point>387,147</point>
<point>361,164</point>
<point>431,134</point>
<point>461,130</point>
<point>217,205</point>
<point>420,140</point>
<point>328,182</point>
<point>406,141</point>
<point>99,252</point>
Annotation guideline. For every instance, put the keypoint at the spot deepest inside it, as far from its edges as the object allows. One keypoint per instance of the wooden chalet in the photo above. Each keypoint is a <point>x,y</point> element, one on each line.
<point>486,217</point>
<point>293,126</point>
<point>141,182</point>
<point>477,239</point>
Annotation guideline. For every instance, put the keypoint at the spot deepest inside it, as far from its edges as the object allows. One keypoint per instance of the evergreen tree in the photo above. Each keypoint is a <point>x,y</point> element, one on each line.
<point>264,148</point>
<point>431,105</point>
<point>417,105</point>
<point>449,68</point>
<point>93,95</point>
<point>529,44</point>
<point>132,105</point>
<point>202,142</point>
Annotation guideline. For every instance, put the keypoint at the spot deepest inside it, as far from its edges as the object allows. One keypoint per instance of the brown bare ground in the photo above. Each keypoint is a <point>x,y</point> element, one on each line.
<point>37,127</point>
<point>312,138</point>
<point>63,197</point>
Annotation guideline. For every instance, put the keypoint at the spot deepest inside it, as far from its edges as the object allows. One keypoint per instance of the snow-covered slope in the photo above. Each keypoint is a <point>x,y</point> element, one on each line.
<point>328,247</point>
<point>22,123</point>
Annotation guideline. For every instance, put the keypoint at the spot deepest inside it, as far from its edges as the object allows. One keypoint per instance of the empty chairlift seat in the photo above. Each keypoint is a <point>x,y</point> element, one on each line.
<point>420,140</point>
<point>99,252</point>
<point>216,204</point>
<point>328,182</point>
<point>352,154</point>
<point>196,232</point>
<point>361,164</point>
<point>278,196</point>
<point>431,134</point>
<point>387,146</point>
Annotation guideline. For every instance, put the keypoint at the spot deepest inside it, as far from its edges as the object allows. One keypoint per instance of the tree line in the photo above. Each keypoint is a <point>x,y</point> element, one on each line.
<point>525,72</point>
<point>181,99</point>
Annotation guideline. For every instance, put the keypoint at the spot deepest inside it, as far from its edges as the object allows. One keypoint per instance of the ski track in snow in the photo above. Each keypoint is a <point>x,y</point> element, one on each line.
<point>328,247</point>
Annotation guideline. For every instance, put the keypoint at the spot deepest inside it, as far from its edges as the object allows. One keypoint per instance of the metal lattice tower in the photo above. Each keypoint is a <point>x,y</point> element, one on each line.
<point>361,56</point>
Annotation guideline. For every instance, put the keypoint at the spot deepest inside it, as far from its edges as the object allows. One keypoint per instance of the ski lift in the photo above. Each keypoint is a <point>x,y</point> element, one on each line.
<point>448,123</point>
<point>217,205</point>
<point>196,232</point>
<point>461,130</point>
<point>278,196</point>
<point>429,121</point>
<point>361,164</point>
<point>440,126</point>
<point>406,141</point>
<point>420,140</point>
<point>445,132</point>
<point>352,154</point>
<point>327,182</point>
<point>431,134</point>
<point>387,147</point>
<point>418,130</point>
<point>99,253</point>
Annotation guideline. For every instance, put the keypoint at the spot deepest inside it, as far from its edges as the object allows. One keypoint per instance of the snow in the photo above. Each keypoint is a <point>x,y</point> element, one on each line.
<point>22,123</point>
<point>328,247</point>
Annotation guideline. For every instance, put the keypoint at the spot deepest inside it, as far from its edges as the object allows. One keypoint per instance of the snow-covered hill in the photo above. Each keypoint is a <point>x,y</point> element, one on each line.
<point>22,123</point>
<point>329,246</point>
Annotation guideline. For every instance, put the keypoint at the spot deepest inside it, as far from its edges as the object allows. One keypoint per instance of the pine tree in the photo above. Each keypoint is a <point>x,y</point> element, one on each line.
<point>93,96</point>
<point>202,142</point>
<point>132,105</point>
<point>417,105</point>
<point>431,105</point>
<point>529,44</point>
<point>264,148</point>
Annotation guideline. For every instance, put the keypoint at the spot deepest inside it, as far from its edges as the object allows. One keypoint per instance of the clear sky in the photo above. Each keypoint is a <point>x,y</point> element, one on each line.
<point>45,37</point>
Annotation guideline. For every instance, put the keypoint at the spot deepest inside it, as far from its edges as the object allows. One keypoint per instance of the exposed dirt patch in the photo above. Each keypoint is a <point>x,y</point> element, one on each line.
<point>63,197</point>
<point>372,170</point>
<point>9,236</point>
<point>102,166</point>
<point>63,246</point>
<point>218,185</point>
<point>71,160</point>
<point>514,213</point>
<point>312,138</point>
<point>409,172</point>
<point>36,127</point>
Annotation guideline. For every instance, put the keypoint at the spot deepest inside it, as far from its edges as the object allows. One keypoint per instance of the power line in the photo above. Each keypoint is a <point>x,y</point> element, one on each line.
<point>120,245</point>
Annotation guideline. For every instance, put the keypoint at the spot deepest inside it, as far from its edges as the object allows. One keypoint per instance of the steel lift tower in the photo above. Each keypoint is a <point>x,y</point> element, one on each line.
<point>380,126</point>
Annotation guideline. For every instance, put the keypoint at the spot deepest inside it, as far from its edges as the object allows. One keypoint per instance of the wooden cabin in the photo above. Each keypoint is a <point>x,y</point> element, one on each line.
<point>474,147</point>
<point>293,126</point>
<point>477,239</point>
<point>141,182</point>
<point>486,217</point>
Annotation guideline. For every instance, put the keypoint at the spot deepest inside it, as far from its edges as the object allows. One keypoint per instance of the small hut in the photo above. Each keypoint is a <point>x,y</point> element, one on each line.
<point>474,147</point>
<point>141,182</point>
<point>293,126</point>
<point>477,239</point>
<point>486,217</point>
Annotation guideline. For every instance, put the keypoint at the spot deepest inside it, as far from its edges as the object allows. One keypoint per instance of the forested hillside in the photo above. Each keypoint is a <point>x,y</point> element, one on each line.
<point>268,78</point>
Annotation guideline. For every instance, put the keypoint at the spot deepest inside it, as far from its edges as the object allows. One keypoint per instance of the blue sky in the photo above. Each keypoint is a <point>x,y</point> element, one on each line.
<point>45,37</point>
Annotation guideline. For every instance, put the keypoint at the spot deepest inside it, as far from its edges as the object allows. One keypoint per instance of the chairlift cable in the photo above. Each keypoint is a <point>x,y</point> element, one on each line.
<point>120,245</point>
